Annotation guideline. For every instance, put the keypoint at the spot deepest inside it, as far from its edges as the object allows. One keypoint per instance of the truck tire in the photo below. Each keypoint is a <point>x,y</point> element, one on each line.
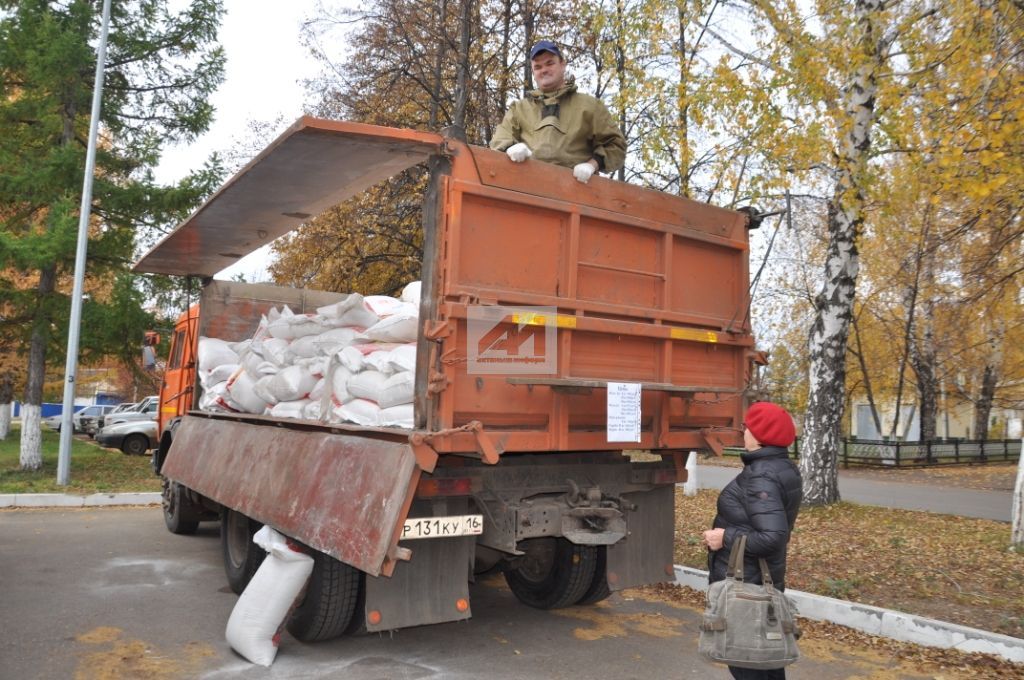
<point>135,445</point>
<point>554,573</point>
<point>179,514</point>
<point>598,589</point>
<point>242,557</point>
<point>330,600</point>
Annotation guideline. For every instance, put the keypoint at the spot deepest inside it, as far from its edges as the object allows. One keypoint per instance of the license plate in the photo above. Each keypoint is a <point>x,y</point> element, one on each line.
<point>443,527</point>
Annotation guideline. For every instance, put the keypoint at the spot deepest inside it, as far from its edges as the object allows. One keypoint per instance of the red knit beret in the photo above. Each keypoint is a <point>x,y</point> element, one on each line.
<point>770,424</point>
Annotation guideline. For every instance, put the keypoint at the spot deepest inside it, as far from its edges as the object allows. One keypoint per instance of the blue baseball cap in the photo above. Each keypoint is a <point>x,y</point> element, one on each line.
<point>545,46</point>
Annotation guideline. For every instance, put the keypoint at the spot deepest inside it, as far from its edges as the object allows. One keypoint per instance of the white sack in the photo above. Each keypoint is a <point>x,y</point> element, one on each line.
<point>274,349</point>
<point>359,411</point>
<point>331,341</point>
<point>216,398</point>
<point>290,326</point>
<point>398,389</point>
<point>290,409</point>
<point>319,389</point>
<point>315,366</point>
<point>262,608</point>
<point>367,385</point>
<point>411,292</point>
<point>214,352</point>
<point>240,346</point>
<point>401,327</point>
<point>351,358</point>
<point>349,312</point>
<point>378,361</point>
<point>397,416</point>
<point>262,390</point>
<point>241,388</point>
<point>312,410</point>
<point>289,384</point>
<point>217,375</point>
<point>403,358</point>
<point>382,305</point>
<point>303,347</point>
<point>339,393</point>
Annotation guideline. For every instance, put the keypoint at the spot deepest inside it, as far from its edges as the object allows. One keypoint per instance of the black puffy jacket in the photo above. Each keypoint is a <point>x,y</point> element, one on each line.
<point>761,502</point>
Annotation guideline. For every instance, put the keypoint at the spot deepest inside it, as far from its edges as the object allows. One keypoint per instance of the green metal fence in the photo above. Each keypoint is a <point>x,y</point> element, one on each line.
<point>919,454</point>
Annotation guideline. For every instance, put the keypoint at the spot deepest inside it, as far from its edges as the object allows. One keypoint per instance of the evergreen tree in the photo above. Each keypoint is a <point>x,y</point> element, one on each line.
<point>161,67</point>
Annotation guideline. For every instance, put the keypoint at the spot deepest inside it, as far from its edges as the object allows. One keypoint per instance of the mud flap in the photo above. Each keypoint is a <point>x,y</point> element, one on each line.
<point>433,587</point>
<point>344,495</point>
<point>645,555</point>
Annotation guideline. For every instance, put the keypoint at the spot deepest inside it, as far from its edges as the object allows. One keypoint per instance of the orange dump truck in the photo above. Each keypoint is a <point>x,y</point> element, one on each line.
<point>618,316</point>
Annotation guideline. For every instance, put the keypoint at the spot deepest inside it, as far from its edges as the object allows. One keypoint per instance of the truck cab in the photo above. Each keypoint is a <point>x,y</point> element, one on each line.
<point>177,386</point>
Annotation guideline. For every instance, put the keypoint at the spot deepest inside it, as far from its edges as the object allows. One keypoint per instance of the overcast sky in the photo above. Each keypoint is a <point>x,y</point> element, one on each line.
<point>265,66</point>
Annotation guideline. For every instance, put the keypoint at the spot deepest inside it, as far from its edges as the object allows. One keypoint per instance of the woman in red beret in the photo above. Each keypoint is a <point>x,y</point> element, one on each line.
<point>762,503</point>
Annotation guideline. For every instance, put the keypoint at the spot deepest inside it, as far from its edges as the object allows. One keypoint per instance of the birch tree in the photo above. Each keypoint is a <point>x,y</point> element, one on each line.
<point>834,303</point>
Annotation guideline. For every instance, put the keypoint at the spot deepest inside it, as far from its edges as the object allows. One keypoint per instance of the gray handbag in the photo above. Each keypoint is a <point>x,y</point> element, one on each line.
<point>747,625</point>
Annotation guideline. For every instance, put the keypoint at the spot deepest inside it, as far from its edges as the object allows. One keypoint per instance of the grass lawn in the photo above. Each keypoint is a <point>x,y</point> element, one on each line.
<point>944,567</point>
<point>93,468</point>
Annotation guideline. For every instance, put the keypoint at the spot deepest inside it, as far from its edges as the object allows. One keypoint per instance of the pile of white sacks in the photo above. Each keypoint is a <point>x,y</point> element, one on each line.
<point>353,361</point>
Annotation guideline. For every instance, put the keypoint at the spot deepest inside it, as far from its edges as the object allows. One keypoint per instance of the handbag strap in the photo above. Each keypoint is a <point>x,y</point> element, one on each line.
<point>736,560</point>
<point>735,570</point>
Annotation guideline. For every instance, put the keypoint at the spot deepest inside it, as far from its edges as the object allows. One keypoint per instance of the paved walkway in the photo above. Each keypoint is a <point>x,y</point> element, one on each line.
<point>941,499</point>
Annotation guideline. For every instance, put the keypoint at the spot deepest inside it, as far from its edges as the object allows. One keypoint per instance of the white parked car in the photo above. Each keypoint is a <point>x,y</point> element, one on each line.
<point>84,420</point>
<point>144,410</point>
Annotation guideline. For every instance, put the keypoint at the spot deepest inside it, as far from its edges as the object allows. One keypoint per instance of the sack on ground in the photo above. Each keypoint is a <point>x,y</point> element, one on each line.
<point>254,626</point>
<point>747,625</point>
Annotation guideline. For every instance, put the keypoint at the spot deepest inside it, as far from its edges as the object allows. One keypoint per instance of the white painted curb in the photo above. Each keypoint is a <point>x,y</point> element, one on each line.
<point>61,500</point>
<point>885,622</point>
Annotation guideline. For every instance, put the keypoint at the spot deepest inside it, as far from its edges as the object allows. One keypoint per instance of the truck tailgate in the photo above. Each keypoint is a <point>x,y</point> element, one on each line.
<point>344,495</point>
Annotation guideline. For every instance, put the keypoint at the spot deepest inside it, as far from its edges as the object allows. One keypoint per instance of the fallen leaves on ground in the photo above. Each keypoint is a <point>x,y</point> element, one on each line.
<point>822,636</point>
<point>939,566</point>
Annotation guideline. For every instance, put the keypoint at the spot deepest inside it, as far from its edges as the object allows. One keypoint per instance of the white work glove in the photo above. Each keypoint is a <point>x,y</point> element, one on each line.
<point>518,153</point>
<point>583,172</point>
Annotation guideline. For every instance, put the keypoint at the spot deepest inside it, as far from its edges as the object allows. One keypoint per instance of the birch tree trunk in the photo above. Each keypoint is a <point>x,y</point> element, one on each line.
<point>923,353</point>
<point>989,379</point>
<point>31,456</point>
<point>6,397</point>
<point>1017,514</point>
<point>5,420</point>
<point>462,75</point>
<point>834,305</point>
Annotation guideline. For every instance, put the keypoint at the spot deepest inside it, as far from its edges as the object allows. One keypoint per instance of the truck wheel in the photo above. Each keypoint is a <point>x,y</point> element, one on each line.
<point>330,600</point>
<point>554,573</point>
<point>179,515</point>
<point>242,557</point>
<point>135,445</point>
<point>598,589</point>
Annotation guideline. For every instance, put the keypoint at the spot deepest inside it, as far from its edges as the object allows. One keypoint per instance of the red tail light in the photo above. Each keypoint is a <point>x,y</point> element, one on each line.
<point>430,488</point>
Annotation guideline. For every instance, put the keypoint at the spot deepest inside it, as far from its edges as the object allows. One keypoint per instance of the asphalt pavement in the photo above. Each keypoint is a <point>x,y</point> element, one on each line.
<point>930,497</point>
<point>109,593</point>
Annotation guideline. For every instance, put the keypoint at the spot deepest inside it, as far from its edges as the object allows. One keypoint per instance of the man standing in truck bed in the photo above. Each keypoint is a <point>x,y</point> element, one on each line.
<point>557,124</point>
